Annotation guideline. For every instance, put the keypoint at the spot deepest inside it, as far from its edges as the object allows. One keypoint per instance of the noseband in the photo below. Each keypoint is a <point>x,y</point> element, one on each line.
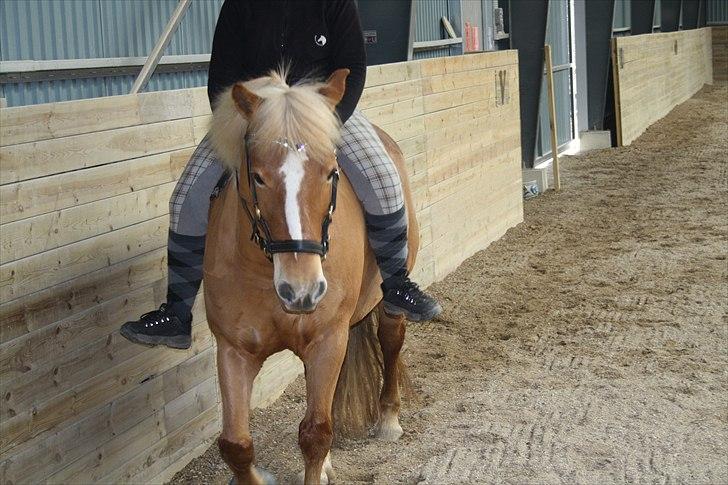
<point>261,234</point>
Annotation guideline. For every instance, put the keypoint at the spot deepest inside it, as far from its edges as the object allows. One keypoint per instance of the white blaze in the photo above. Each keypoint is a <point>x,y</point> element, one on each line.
<point>292,171</point>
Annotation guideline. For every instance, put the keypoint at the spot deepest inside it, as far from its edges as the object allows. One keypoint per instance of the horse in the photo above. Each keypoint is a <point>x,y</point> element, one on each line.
<point>280,274</point>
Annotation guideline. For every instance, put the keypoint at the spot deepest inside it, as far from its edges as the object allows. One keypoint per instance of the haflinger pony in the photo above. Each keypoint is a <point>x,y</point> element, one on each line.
<point>300,282</point>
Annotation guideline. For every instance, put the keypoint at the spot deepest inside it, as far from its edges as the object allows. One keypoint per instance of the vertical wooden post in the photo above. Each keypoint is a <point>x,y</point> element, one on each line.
<point>552,116</point>
<point>617,97</point>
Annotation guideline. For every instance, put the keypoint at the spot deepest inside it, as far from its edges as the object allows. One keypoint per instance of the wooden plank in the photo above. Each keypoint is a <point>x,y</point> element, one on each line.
<point>277,372</point>
<point>412,146</point>
<point>39,196</point>
<point>37,459</point>
<point>48,157</point>
<point>200,127</point>
<point>390,93</point>
<point>446,65</point>
<point>458,80</point>
<point>35,273</point>
<point>149,463</point>
<point>87,396</point>
<point>47,377</point>
<point>200,102</point>
<point>391,73</point>
<point>440,119</point>
<point>49,231</point>
<point>389,113</point>
<point>552,116</point>
<point>25,124</point>
<point>450,99</point>
<point>113,455</point>
<point>44,354</point>
<point>401,130</point>
<point>35,311</point>
<point>166,475</point>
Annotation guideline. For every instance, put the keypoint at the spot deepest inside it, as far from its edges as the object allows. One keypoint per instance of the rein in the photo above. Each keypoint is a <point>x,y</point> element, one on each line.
<point>261,234</point>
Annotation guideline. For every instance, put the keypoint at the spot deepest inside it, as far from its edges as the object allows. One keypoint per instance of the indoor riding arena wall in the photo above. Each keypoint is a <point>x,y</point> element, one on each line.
<point>720,52</point>
<point>655,73</point>
<point>84,190</point>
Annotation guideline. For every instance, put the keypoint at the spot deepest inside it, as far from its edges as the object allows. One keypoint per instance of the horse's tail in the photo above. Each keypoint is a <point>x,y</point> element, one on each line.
<point>356,401</point>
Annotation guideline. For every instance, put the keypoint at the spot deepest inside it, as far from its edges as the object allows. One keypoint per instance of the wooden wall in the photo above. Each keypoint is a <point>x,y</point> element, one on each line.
<point>720,52</point>
<point>655,73</point>
<point>84,188</point>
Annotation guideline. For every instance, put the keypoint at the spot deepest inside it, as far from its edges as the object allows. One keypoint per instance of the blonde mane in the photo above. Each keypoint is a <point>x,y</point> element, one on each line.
<point>298,114</point>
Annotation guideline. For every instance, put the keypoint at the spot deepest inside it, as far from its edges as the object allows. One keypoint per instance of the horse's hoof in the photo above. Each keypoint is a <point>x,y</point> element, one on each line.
<point>388,429</point>
<point>266,478</point>
<point>327,473</point>
<point>324,480</point>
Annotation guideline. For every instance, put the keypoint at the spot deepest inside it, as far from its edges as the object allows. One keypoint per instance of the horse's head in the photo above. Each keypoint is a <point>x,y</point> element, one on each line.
<point>290,171</point>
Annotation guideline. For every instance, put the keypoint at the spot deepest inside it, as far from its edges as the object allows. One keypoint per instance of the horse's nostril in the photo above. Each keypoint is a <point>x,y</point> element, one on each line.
<point>285,291</point>
<point>321,289</point>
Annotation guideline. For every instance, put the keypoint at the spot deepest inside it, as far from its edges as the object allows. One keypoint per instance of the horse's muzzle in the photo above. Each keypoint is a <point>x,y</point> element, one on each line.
<point>302,299</point>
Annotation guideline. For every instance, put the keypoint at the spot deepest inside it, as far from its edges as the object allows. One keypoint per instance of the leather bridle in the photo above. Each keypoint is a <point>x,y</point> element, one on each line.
<point>261,234</point>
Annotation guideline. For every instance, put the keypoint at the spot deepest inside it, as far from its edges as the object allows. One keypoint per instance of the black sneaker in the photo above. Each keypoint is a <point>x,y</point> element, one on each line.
<point>404,297</point>
<point>160,327</point>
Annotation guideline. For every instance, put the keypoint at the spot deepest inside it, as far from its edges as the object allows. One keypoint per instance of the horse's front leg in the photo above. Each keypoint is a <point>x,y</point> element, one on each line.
<point>236,373</point>
<point>322,359</point>
<point>391,337</point>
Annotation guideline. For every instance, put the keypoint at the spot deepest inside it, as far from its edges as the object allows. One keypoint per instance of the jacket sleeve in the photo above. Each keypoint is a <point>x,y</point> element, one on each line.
<point>343,21</point>
<point>226,66</point>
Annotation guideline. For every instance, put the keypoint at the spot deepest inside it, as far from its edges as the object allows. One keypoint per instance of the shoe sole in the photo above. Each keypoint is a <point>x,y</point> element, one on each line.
<point>180,342</point>
<point>396,311</point>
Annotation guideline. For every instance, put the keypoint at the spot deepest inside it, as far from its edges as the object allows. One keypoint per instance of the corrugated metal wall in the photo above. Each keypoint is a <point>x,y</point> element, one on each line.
<point>717,12</point>
<point>80,29</point>
<point>428,25</point>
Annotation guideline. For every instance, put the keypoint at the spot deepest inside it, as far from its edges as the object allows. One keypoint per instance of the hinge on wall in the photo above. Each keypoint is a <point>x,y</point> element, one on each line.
<point>620,57</point>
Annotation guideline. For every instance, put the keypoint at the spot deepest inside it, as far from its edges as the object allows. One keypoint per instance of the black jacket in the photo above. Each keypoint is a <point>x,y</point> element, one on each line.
<point>314,37</point>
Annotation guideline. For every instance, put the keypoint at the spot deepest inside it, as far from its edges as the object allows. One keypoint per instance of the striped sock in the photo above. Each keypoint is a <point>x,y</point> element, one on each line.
<point>184,265</point>
<point>388,238</point>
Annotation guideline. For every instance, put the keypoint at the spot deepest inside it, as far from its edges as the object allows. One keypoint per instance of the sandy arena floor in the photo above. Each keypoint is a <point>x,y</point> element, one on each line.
<point>588,345</point>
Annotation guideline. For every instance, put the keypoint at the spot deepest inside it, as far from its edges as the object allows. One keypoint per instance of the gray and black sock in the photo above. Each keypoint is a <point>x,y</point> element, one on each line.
<point>388,238</point>
<point>184,263</point>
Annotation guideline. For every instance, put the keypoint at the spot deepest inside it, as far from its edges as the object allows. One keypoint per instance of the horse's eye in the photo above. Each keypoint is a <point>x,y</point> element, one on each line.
<point>258,180</point>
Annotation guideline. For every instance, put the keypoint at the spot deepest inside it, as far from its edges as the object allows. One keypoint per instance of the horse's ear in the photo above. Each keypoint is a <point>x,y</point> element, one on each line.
<point>246,101</point>
<point>335,86</point>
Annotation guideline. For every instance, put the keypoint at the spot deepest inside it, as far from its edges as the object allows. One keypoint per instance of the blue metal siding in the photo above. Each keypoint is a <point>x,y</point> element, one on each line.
<point>82,29</point>
<point>50,29</point>
<point>717,12</point>
<point>428,25</point>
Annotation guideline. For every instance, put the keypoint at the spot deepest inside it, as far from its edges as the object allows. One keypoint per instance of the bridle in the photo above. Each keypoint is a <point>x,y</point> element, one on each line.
<point>261,234</point>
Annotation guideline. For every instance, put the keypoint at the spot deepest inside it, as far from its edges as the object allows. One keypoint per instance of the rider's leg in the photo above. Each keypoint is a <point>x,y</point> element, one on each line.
<point>188,214</point>
<point>376,182</point>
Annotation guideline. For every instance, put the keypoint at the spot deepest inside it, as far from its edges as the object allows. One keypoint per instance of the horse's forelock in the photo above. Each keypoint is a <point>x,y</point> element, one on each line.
<point>297,113</point>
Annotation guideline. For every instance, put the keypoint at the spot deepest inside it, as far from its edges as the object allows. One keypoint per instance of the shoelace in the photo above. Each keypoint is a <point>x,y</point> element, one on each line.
<point>410,291</point>
<point>158,315</point>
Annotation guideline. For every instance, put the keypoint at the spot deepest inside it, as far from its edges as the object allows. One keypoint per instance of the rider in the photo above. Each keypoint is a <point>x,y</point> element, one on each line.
<point>313,37</point>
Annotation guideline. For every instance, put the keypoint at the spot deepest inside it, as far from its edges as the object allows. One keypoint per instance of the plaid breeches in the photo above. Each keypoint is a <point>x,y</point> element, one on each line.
<point>361,155</point>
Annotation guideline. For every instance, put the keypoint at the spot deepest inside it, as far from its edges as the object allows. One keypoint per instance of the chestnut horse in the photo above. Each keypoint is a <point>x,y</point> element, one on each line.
<point>280,141</point>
